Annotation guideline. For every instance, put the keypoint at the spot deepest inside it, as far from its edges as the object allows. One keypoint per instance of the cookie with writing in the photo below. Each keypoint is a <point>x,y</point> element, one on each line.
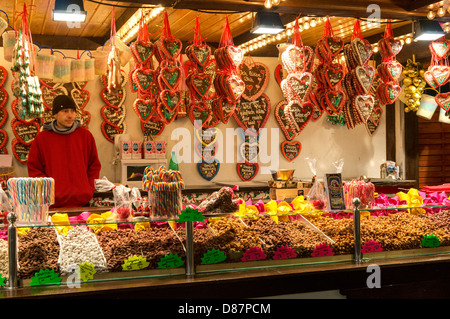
<point>247,171</point>
<point>208,170</point>
<point>291,149</point>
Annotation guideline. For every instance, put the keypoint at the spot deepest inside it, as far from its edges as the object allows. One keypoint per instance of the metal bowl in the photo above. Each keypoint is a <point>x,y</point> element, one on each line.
<point>283,174</point>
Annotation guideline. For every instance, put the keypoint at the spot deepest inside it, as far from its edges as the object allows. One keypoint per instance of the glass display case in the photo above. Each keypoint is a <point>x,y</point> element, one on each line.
<point>100,250</point>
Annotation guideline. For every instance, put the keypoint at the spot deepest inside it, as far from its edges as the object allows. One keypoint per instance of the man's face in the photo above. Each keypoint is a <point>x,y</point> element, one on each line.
<point>65,118</point>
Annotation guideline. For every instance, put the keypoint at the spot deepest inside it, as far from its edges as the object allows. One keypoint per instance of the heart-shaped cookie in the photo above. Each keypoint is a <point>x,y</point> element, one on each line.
<point>247,171</point>
<point>298,86</point>
<point>3,138</point>
<point>206,152</point>
<point>440,73</point>
<point>3,116</point>
<point>374,119</point>
<point>153,127</point>
<point>283,121</point>
<point>291,150</point>
<point>439,48</point>
<point>169,77</point>
<point>81,97</point>
<point>279,76</point>
<point>364,104</point>
<point>390,71</point>
<point>233,87</point>
<point>256,77</point>
<point>299,115</point>
<point>168,108</point>
<point>144,108</point>
<point>3,75</point>
<point>249,151</point>
<point>3,97</point>
<point>207,136</point>
<point>364,75</point>
<point>25,132</point>
<point>142,51</point>
<point>112,99</point>
<point>199,55</point>
<point>223,109</point>
<point>334,74</point>
<point>113,115</point>
<point>335,100</point>
<point>109,131</point>
<point>252,116</point>
<point>428,76</point>
<point>362,50</point>
<point>208,170</point>
<point>20,151</point>
<point>169,47</point>
<point>199,113</point>
<point>145,79</point>
<point>199,83</point>
<point>443,100</point>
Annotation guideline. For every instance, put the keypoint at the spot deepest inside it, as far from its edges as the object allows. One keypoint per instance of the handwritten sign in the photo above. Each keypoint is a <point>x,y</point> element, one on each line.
<point>322,250</point>
<point>135,263</point>
<point>253,253</point>
<point>430,241</point>
<point>252,115</point>
<point>284,252</point>
<point>191,215</point>
<point>213,256</point>
<point>45,277</point>
<point>170,261</point>
<point>86,271</point>
<point>371,246</point>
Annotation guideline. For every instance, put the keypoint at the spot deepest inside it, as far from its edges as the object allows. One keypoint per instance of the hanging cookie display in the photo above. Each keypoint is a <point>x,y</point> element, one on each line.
<point>3,111</point>
<point>389,89</point>
<point>358,80</point>
<point>169,72</point>
<point>329,73</point>
<point>113,65</point>
<point>206,146</point>
<point>199,82</point>
<point>227,82</point>
<point>113,112</point>
<point>297,86</point>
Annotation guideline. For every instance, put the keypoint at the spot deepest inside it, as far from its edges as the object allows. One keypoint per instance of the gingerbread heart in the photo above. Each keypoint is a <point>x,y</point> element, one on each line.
<point>25,132</point>
<point>112,99</point>
<point>247,171</point>
<point>208,170</point>
<point>81,97</point>
<point>249,151</point>
<point>334,74</point>
<point>299,115</point>
<point>364,75</point>
<point>283,121</point>
<point>443,100</point>
<point>169,47</point>
<point>20,151</point>
<point>168,108</point>
<point>199,113</point>
<point>299,85</point>
<point>440,73</point>
<point>234,55</point>
<point>233,87</point>
<point>109,131</point>
<point>199,55</point>
<point>142,51</point>
<point>362,50</point>
<point>439,48</point>
<point>3,75</point>
<point>145,79</point>
<point>279,74</point>
<point>169,77</point>
<point>256,77</point>
<point>428,76</point>
<point>374,119</point>
<point>113,115</point>
<point>252,116</point>
<point>206,152</point>
<point>3,116</point>
<point>3,138</point>
<point>223,109</point>
<point>333,45</point>
<point>144,109</point>
<point>364,105</point>
<point>153,127</point>
<point>200,83</point>
<point>390,91</point>
<point>335,99</point>
<point>390,71</point>
<point>3,97</point>
<point>291,150</point>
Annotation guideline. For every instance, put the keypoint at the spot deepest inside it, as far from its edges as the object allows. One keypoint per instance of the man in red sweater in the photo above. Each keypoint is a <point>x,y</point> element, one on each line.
<point>66,152</point>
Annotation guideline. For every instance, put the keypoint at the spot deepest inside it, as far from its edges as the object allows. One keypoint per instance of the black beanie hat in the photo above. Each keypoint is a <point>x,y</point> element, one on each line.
<point>62,102</point>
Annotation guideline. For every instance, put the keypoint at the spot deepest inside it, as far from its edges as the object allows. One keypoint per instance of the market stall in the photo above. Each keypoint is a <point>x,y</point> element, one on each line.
<point>219,162</point>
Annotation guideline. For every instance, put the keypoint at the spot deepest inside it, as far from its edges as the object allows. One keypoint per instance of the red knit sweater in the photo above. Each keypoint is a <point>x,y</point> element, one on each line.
<point>71,160</point>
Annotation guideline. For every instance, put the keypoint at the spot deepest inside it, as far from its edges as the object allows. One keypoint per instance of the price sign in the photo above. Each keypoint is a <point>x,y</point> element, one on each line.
<point>45,277</point>
<point>253,253</point>
<point>213,256</point>
<point>135,263</point>
<point>284,252</point>
<point>190,215</point>
<point>322,250</point>
<point>170,261</point>
<point>86,271</point>
<point>430,241</point>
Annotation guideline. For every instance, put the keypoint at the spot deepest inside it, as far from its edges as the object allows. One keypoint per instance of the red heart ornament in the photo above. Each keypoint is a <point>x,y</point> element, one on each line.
<point>279,74</point>
<point>291,150</point>
<point>206,152</point>
<point>169,47</point>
